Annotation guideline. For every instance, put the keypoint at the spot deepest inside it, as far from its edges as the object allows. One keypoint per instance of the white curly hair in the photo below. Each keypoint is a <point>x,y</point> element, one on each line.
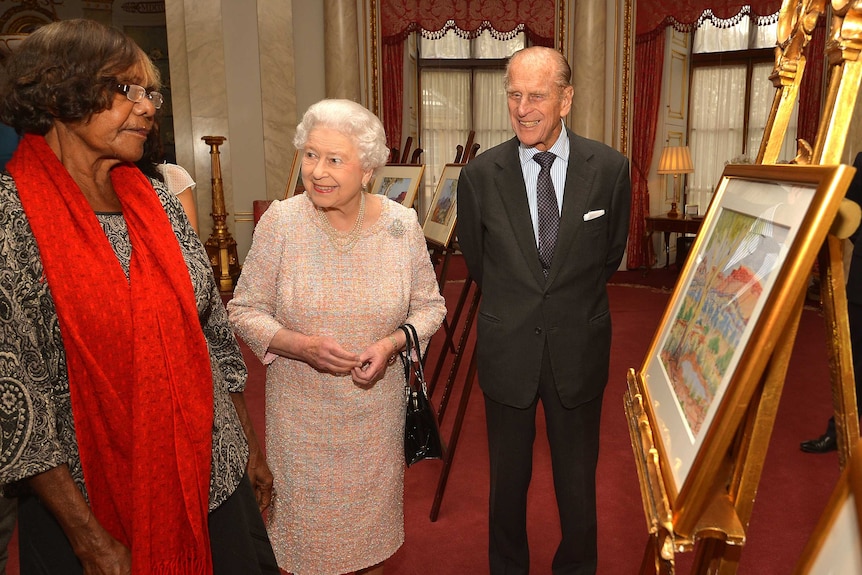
<point>354,121</point>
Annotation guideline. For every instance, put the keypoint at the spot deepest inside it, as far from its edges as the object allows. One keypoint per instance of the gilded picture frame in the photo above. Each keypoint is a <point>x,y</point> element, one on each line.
<point>835,545</point>
<point>442,214</point>
<point>748,266</point>
<point>398,182</point>
<point>294,180</point>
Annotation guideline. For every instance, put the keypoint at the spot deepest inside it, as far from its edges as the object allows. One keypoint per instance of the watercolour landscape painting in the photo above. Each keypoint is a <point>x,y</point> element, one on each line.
<point>738,293</point>
<point>395,188</point>
<point>726,286</point>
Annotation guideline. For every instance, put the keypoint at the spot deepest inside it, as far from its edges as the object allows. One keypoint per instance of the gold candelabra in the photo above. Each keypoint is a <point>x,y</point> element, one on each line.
<point>221,247</point>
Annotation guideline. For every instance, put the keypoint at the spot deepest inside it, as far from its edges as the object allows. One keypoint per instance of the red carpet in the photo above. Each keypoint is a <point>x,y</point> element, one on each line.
<point>793,490</point>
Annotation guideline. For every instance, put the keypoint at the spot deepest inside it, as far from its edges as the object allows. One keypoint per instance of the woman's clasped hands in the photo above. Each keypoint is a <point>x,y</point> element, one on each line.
<point>325,354</point>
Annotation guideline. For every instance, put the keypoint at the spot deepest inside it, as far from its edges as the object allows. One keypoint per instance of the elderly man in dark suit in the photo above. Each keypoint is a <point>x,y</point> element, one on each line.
<point>541,239</point>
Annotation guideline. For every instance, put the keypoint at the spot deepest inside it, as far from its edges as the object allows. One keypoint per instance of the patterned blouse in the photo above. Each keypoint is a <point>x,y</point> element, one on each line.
<point>37,428</point>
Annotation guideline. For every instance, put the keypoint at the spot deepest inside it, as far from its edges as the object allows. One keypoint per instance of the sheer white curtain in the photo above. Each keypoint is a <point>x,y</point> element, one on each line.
<point>711,38</point>
<point>740,36</point>
<point>449,113</point>
<point>449,46</point>
<point>486,46</point>
<point>445,123</point>
<point>457,100</point>
<point>490,111</point>
<point>762,94</point>
<point>716,127</point>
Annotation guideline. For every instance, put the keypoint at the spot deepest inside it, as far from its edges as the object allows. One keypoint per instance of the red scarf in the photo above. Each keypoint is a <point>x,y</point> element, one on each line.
<point>138,364</point>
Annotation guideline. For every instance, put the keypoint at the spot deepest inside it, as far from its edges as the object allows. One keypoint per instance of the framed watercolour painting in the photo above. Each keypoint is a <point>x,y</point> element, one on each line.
<point>440,222</point>
<point>747,269</point>
<point>294,180</point>
<point>398,182</point>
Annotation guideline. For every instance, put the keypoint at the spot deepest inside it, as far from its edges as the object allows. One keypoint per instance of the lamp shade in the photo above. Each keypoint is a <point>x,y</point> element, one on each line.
<point>675,160</point>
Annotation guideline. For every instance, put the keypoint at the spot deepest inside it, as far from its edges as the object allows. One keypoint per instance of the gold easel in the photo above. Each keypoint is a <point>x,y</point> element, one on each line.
<point>717,530</point>
<point>221,247</point>
<point>842,50</point>
<point>796,24</point>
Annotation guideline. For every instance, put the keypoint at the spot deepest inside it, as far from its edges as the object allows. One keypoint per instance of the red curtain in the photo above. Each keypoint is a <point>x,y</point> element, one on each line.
<point>655,15</point>
<point>649,63</point>
<point>393,90</point>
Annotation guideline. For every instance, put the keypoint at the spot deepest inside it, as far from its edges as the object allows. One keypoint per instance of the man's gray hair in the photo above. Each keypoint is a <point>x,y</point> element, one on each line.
<point>541,54</point>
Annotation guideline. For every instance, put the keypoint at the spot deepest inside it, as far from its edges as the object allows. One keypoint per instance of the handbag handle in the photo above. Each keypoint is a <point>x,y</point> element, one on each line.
<point>407,357</point>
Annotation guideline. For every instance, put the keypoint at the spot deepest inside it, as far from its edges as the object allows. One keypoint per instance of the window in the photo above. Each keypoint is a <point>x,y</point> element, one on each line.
<point>461,86</point>
<point>731,97</point>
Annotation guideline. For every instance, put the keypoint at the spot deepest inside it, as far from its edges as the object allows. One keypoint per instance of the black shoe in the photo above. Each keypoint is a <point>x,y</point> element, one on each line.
<point>823,444</point>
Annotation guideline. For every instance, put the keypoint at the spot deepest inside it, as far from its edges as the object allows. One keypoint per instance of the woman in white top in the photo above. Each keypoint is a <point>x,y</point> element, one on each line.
<point>180,182</point>
<point>175,177</point>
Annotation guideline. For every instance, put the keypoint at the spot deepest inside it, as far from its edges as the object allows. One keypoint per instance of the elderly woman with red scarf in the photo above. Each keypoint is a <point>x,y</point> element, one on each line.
<point>124,429</point>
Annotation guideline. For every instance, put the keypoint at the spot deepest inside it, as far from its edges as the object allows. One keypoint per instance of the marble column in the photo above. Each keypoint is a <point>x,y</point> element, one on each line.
<point>341,49</point>
<point>589,68</point>
<point>199,97</point>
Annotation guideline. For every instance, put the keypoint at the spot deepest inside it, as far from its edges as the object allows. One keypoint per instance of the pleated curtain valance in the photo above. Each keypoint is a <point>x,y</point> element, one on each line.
<point>653,16</point>
<point>468,18</point>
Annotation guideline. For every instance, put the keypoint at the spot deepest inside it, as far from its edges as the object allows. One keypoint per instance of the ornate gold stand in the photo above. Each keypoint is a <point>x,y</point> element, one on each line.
<point>718,538</point>
<point>843,49</point>
<point>221,247</point>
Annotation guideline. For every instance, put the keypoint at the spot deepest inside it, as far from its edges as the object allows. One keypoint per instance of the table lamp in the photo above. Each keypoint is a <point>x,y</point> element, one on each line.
<point>675,160</point>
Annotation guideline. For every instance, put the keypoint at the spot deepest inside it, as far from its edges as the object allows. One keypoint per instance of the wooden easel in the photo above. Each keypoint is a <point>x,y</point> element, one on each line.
<point>718,534</point>
<point>403,160</point>
<point>472,290</point>
<point>440,255</point>
<point>469,291</point>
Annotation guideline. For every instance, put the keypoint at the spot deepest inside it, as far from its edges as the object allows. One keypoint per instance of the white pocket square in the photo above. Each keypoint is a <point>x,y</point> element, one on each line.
<point>591,215</point>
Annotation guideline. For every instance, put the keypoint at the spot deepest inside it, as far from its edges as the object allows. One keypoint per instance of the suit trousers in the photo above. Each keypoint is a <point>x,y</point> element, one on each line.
<point>573,435</point>
<point>854,317</point>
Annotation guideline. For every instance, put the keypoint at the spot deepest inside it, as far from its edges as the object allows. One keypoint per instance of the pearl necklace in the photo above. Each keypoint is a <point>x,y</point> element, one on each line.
<point>344,241</point>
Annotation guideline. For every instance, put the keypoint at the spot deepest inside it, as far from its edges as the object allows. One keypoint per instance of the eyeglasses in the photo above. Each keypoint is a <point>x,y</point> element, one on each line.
<point>136,93</point>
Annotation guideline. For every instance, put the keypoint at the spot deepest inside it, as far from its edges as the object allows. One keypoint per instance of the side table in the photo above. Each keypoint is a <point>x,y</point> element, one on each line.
<point>668,226</point>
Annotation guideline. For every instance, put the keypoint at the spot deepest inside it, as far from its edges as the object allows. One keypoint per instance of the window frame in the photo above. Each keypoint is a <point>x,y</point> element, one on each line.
<point>749,57</point>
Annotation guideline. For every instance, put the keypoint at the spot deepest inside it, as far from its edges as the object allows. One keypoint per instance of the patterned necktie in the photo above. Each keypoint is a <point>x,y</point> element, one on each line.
<point>549,213</point>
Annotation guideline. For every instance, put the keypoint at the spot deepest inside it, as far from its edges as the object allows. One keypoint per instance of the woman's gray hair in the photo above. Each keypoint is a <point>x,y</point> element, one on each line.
<point>354,121</point>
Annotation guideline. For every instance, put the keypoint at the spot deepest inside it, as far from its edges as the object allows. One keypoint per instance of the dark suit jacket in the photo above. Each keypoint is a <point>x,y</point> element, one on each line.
<point>520,309</point>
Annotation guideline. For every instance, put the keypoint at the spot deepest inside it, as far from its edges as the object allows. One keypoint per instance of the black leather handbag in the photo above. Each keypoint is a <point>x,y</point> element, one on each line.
<point>421,432</point>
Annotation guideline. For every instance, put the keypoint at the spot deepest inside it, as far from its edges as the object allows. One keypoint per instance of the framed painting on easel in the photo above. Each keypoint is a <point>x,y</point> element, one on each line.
<point>440,222</point>
<point>399,183</point>
<point>749,263</point>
